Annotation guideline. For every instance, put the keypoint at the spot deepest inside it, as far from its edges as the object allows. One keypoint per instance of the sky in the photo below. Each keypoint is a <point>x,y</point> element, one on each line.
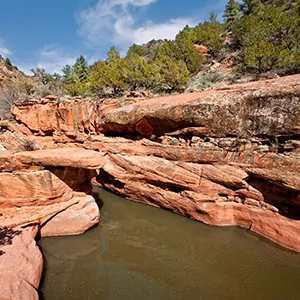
<point>52,34</point>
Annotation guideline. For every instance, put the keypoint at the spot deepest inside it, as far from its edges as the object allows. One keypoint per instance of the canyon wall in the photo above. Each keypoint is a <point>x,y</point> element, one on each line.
<point>228,156</point>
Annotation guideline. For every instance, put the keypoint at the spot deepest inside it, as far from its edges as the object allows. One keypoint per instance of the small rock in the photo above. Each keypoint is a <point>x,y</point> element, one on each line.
<point>51,97</point>
<point>196,140</point>
<point>252,202</point>
<point>237,199</point>
<point>263,148</point>
<point>268,206</point>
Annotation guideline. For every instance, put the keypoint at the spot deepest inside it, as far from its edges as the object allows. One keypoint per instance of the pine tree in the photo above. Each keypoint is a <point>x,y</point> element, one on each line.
<point>213,17</point>
<point>68,74</point>
<point>136,49</point>
<point>231,12</point>
<point>8,64</point>
<point>251,7</point>
<point>174,74</point>
<point>113,53</point>
<point>81,69</point>
<point>187,52</point>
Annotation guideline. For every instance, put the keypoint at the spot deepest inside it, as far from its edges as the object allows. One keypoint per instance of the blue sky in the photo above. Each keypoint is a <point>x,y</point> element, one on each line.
<point>51,34</point>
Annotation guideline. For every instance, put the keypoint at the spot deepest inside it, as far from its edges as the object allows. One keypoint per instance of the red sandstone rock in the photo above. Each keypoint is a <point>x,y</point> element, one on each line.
<point>201,49</point>
<point>56,200</point>
<point>251,108</point>
<point>209,184</point>
<point>21,263</point>
<point>75,220</point>
<point>51,97</point>
<point>66,117</point>
<point>67,157</point>
<point>208,175</point>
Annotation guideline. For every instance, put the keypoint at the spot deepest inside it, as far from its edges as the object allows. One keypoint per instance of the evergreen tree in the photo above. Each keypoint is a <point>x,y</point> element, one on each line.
<point>213,17</point>
<point>109,74</point>
<point>68,74</point>
<point>231,12</point>
<point>136,49</point>
<point>140,74</point>
<point>80,69</point>
<point>8,64</point>
<point>174,75</point>
<point>187,52</point>
<point>251,7</point>
<point>209,34</point>
<point>113,54</point>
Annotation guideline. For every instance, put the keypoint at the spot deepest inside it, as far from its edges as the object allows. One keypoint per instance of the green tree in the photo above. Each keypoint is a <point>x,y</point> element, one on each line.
<point>81,69</point>
<point>269,39</point>
<point>77,77</point>
<point>174,75</point>
<point>136,49</point>
<point>170,49</point>
<point>8,64</point>
<point>213,17</point>
<point>251,7</point>
<point>113,54</point>
<point>231,13</point>
<point>109,74</point>
<point>187,52</point>
<point>68,74</point>
<point>209,34</point>
<point>140,74</point>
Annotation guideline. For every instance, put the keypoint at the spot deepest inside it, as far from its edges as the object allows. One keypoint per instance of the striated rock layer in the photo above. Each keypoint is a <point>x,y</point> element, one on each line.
<point>228,156</point>
<point>45,192</point>
<point>254,190</point>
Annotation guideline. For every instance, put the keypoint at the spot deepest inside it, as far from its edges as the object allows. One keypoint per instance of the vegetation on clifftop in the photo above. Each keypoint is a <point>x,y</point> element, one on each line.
<point>257,36</point>
<point>265,35</point>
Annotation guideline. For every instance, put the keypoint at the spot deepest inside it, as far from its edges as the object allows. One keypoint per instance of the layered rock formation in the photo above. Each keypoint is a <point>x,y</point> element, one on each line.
<point>228,156</point>
<point>248,188</point>
<point>46,193</point>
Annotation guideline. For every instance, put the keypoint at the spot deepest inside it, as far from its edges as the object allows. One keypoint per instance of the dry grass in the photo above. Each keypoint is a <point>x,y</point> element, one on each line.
<point>8,95</point>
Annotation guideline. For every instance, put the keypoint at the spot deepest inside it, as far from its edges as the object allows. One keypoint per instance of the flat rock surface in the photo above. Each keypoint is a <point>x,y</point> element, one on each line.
<point>65,157</point>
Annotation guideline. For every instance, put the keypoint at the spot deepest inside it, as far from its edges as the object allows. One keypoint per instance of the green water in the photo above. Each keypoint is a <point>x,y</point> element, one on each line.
<point>141,252</point>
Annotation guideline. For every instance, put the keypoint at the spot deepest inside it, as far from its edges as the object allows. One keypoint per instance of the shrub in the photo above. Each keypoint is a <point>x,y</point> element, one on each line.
<point>8,95</point>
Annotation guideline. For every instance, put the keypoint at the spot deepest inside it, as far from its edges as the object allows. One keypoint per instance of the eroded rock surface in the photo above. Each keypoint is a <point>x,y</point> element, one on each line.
<point>228,156</point>
<point>46,192</point>
<point>266,108</point>
<point>21,263</point>
<point>254,190</point>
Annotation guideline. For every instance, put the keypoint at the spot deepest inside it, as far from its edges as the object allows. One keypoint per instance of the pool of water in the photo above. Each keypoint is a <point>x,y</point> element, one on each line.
<point>142,252</point>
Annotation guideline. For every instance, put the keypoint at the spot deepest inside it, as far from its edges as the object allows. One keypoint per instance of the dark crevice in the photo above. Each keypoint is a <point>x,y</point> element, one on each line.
<point>287,201</point>
<point>106,178</point>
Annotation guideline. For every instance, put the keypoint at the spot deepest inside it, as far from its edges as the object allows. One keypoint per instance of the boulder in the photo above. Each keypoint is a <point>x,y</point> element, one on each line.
<point>252,108</point>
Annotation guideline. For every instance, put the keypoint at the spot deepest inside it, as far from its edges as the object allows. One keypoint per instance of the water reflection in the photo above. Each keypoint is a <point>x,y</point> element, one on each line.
<point>141,252</point>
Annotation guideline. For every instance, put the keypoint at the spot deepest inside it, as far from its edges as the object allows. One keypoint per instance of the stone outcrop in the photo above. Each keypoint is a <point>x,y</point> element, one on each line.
<point>21,263</point>
<point>269,108</point>
<point>228,156</point>
<point>72,118</point>
<point>46,192</point>
<point>213,186</point>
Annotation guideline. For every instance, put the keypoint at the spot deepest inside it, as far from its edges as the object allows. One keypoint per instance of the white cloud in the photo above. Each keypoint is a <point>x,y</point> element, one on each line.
<point>4,51</point>
<point>115,22</point>
<point>160,31</point>
<point>51,58</point>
